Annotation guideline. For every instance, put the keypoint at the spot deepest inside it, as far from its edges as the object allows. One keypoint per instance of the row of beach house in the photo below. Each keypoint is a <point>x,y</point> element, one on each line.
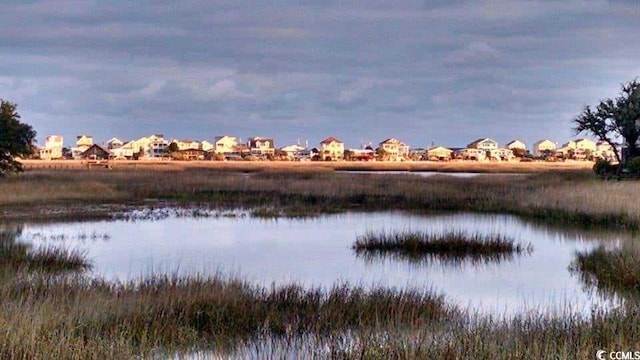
<point>157,147</point>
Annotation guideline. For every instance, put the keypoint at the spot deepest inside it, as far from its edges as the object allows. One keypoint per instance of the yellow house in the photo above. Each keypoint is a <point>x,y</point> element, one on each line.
<point>83,142</point>
<point>52,148</point>
<point>331,149</point>
<point>586,145</point>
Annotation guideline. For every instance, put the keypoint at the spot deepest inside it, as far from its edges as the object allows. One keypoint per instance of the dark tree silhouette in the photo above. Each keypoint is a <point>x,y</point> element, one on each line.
<point>615,121</point>
<point>16,138</point>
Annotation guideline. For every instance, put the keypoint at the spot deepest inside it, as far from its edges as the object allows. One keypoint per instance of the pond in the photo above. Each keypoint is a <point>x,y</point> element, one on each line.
<point>317,252</point>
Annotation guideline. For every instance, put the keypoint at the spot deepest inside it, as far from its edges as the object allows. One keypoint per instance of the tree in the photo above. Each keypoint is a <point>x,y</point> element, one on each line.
<point>519,153</point>
<point>348,155</point>
<point>173,147</point>
<point>16,138</point>
<point>66,153</point>
<point>382,154</point>
<point>614,120</point>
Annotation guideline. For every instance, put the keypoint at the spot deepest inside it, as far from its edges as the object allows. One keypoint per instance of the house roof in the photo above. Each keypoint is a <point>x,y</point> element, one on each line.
<point>255,138</point>
<point>329,140</point>
<point>392,141</point>
<point>191,150</point>
<point>218,138</point>
<point>294,147</point>
<point>264,139</point>
<point>440,147</point>
<point>514,141</point>
<point>99,147</point>
<point>543,140</point>
<point>478,141</point>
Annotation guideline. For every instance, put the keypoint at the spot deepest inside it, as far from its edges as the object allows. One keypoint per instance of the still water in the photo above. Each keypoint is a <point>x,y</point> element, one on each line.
<point>317,252</point>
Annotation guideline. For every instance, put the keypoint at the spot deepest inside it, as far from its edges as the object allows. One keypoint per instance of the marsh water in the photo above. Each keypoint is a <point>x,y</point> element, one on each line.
<point>317,252</point>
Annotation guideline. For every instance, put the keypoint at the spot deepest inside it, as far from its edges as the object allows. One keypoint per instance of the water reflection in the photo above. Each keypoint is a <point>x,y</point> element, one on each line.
<point>610,272</point>
<point>317,252</point>
<point>438,260</point>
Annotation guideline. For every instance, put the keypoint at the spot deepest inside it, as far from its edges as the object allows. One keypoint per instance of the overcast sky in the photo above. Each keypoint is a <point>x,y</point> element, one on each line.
<point>445,71</point>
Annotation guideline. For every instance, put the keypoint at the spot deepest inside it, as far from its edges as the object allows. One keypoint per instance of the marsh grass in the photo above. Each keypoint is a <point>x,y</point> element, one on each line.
<point>453,247</point>
<point>571,197</point>
<point>48,315</point>
<point>167,314</point>
<point>610,271</point>
<point>473,336</point>
<point>48,312</point>
<point>20,255</point>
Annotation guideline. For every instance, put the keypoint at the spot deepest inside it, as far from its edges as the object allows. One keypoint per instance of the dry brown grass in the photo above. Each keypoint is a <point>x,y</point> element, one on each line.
<point>569,196</point>
<point>452,166</point>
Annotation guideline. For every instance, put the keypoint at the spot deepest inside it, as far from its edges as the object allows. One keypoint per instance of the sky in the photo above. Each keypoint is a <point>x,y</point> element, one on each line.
<point>442,72</point>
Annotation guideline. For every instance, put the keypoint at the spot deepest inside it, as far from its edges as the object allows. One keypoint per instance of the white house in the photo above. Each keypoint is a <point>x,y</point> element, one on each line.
<point>157,146</point>
<point>605,151</point>
<point>296,152</point>
<point>502,154</point>
<point>516,144</point>
<point>472,154</point>
<point>149,147</point>
<point>125,151</point>
<point>206,146</point>
<point>484,144</point>
<point>114,143</point>
<point>225,144</point>
<point>261,146</point>
<point>542,147</point>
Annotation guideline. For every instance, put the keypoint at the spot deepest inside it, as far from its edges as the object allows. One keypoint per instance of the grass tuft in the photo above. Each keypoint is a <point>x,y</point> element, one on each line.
<point>613,272</point>
<point>18,255</point>
<point>452,246</point>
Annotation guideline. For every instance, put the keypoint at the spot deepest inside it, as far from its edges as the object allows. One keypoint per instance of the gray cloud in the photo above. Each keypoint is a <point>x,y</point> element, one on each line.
<point>422,71</point>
